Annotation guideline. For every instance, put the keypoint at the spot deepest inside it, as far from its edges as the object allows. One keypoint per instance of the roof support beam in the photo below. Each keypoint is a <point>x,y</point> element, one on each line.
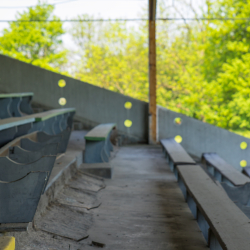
<point>152,73</point>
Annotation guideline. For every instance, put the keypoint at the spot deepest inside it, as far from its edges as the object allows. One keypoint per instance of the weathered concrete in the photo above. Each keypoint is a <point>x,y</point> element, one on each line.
<point>140,208</point>
<point>100,169</point>
<point>143,207</point>
<point>94,105</point>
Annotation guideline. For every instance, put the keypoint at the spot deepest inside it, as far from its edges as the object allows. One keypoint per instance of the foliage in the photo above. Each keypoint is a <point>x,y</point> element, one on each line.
<point>35,42</point>
<point>202,70</point>
<point>112,56</point>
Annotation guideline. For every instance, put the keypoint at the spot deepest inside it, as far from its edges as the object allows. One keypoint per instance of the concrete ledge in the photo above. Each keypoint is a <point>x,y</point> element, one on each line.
<point>100,169</point>
<point>65,168</point>
<point>13,227</point>
<point>7,243</point>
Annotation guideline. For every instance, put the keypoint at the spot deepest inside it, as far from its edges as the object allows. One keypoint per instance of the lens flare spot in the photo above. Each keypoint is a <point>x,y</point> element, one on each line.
<point>128,105</point>
<point>243,145</point>
<point>61,83</point>
<point>178,138</point>
<point>243,163</point>
<point>128,123</point>
<point>62,101</point>
<point>177,121</point>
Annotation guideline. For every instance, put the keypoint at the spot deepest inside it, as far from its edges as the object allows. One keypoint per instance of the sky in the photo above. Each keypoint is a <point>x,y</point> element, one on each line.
<point>70,9</point>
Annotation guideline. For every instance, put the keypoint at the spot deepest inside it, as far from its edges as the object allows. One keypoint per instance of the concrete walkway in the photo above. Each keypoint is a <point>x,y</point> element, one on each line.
<point>143,207</point>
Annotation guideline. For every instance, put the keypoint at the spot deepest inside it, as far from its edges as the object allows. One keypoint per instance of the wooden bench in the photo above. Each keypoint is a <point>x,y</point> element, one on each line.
<point>13,127</point>
<point>53,121</point>
<point>223,171</point>
<point>98,144</point>
<point>175,154</point>
<point>15,105</point>
<point>222,223</point>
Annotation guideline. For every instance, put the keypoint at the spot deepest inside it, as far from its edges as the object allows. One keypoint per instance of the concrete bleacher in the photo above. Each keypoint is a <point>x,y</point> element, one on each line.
<point>26,161</point>
<point>142,205</point>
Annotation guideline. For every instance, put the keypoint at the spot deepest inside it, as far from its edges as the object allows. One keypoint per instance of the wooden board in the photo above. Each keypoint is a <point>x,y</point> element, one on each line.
<point>100,132</point>
<point>15,121</point>
<point>226,169</point>
<point>176,152</point>
<point>228,223</point>
<point>16,95</point>
<point>51,113</point>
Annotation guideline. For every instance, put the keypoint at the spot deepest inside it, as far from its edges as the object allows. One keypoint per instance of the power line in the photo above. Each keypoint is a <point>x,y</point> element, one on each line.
<point>133,19</point>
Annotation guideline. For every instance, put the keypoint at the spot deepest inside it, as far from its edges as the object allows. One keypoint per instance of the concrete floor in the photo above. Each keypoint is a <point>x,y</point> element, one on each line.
<point>143,207</point>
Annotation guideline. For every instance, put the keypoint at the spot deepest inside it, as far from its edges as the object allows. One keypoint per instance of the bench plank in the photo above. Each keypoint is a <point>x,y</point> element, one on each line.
<point>176,152</point>
<point>15,121</point>
<point>226,169</point>
<point>100,132</point>
<point>51,113</point>
<point>229,224</point>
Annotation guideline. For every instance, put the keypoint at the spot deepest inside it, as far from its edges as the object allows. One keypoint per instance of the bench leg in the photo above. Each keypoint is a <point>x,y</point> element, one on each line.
<point>95,152</point>
<point>203,224</point>
<point>171,165</point>
<point>15,107</point>
<point>192,205</point>
<point>213,242</point>
<point>49,126</point>
<point>217,175</point>
<point>25,106</point>
<point>183,188</point>
<point>5,108</point>
<point>57,124</point>
<point>7,135</point>
<point>176,172</point>
<point>23,129</point>
<point>210,169</point>
<point>110,146</point>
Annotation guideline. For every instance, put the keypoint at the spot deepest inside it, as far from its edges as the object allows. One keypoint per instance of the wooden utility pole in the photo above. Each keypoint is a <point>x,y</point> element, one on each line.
<point>152,72</point>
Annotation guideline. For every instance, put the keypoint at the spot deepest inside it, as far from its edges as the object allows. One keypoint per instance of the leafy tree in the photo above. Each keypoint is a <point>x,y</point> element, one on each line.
<point>35,42</point>
<point>112,56</point>
<point>202,68</point>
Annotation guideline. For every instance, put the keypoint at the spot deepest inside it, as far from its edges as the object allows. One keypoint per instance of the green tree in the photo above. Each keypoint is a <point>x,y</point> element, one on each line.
<point>35,42</point>
<point>112,56</point>
<point>202,67</point>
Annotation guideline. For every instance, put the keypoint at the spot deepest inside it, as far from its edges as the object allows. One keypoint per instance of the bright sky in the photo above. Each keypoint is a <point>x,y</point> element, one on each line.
<point>69,9</point>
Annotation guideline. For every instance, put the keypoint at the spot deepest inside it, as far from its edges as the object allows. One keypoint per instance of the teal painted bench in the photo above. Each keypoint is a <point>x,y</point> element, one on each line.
<point>15,104</point>
<point>175,154</point>
<point>98,144</point>
<point>53,121</point>
<point>11,128</point>
<point>223,171</point>
<point>222,223</point>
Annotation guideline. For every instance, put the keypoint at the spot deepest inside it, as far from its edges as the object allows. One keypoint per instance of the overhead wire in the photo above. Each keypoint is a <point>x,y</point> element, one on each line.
<point>132,19</point>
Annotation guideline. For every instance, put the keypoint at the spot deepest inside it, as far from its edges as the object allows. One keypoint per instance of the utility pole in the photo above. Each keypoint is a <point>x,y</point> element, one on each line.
<point>152,72</point>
